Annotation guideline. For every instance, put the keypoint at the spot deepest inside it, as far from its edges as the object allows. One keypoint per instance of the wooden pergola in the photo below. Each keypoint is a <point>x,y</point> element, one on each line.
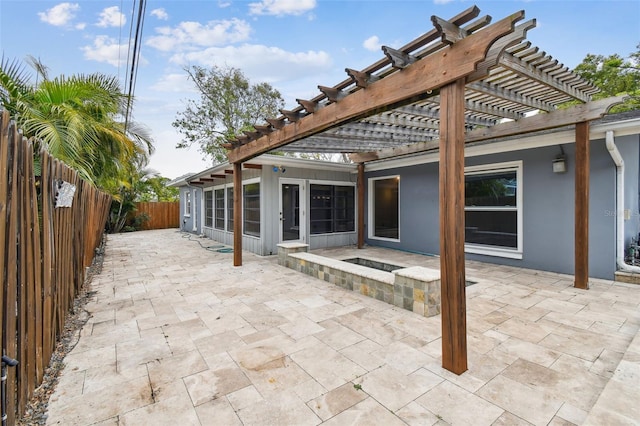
<point>466,81</point>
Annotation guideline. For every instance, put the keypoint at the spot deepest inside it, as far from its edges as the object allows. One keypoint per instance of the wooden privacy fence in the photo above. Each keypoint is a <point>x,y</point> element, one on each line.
<point>162,215</point>
<point>44,251</point>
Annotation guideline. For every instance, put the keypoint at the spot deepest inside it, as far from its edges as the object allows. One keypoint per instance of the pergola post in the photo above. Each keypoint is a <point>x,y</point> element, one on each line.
<point>452,268</point>
<point>360,185</point>
<point>237,214</point>
<point>582,206</point>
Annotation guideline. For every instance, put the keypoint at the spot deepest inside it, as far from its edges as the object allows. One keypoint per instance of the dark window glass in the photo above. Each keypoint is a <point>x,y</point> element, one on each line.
<point>252,209</point>
<point>230,209</point>
<point>490,190</point>
<point>491,211</point>
<point>492,228</point>
<point>332,209</point>
<point>386,208</point>
<point>208,209</point>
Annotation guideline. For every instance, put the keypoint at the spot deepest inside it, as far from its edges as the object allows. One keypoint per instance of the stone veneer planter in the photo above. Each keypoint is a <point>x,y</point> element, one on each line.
<point>416,289</point>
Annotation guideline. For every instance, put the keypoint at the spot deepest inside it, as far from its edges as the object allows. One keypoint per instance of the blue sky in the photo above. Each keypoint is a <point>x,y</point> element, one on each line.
<point>295,45</point>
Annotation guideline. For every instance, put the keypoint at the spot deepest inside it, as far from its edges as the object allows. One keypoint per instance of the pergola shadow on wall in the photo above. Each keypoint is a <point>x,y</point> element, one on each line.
<point>466,81</point>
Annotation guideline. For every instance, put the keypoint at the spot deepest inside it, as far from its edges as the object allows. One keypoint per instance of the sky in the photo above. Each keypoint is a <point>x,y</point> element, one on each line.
<point>294,45</point>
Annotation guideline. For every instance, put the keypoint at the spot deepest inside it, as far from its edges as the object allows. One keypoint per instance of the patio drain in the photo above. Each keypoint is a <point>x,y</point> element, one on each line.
<point>225,250</point>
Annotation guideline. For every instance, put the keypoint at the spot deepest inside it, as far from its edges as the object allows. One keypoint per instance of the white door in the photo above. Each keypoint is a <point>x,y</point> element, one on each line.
<point>292,210</point>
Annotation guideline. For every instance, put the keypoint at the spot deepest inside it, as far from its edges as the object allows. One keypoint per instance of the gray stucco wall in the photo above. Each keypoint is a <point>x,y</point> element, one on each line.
<point>548,207</point>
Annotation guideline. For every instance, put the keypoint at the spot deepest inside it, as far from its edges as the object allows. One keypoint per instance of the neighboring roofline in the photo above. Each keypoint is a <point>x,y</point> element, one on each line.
<point>621,124</point>
<point>180,180</point>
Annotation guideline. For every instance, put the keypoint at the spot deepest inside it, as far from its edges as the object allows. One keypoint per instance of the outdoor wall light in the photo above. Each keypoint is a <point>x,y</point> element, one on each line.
<point>559,164</point>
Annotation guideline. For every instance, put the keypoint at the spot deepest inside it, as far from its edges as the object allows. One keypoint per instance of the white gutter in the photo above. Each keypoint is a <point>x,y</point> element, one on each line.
<point>617,159</point>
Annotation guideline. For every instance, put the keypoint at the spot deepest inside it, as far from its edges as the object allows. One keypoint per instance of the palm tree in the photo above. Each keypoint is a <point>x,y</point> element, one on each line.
<point>77,119</point>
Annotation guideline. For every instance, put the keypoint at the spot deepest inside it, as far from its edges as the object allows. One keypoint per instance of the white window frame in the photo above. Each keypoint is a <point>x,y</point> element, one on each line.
<point>371,209</point>
<point>213,190</point>
<point>226,207</point>
<point>204,208</point>
<point>494,250</point>
<point>355,202</point>
<point>187,203</point>
<point>249,182</point>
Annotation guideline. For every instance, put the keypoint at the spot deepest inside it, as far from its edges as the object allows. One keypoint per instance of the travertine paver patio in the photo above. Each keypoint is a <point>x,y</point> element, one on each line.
<point>177,335</point>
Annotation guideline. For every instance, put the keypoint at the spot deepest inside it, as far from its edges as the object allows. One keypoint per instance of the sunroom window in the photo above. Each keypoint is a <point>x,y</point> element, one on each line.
<point>493,210</point>
<point>332,209</point>
<point>219,209</point>
<point>251,206</point>
<point>208,209</point>
<point>230,209</point>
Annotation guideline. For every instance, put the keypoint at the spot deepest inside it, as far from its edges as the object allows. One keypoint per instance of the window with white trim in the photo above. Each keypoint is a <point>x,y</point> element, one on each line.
<point>251,209</point>
<point>230,208</point>
<point>219,208</point>
<point>493,209</point>
<point>208,209</point>
<point>332,208</point>
<point>187,203</point>
<point>384,208</point>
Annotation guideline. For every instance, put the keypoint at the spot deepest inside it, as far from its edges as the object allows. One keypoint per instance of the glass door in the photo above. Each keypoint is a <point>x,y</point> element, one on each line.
<point>292,211</point>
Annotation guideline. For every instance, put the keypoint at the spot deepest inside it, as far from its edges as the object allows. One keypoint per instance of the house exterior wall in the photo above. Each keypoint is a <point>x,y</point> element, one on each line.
<point>548,207</point>
<point>266,244</point>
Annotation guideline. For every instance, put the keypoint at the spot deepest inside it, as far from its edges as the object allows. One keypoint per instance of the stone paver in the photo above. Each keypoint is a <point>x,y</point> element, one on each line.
<point>177,335</point>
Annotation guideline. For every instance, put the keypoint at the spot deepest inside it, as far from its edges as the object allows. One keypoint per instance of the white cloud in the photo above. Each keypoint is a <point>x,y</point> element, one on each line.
<point>160,13</point>
<point>106,49</point>
<point>442,1</point>
<point>372,44</point>
<point>260,63</point>
<point>281,7</point>
<point>111,17</point>
<point>60,15</point>
<point>178,83</point>
<point>223,4</point>
<point>189,35</point>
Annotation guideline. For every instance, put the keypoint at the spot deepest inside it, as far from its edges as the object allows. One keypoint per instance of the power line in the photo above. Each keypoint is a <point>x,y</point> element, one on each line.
<point>135,56</point>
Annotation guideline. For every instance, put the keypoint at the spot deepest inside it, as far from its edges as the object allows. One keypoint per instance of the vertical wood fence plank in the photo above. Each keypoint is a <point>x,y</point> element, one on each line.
<point>4,183</point>
<point>11,294</point>
<point>47,257</point>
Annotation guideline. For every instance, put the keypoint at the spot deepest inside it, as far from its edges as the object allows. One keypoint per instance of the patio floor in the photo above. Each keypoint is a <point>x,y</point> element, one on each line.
<point>177,335</point>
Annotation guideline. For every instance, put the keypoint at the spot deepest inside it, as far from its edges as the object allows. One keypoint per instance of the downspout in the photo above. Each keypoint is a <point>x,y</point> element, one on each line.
<point>617,159</point>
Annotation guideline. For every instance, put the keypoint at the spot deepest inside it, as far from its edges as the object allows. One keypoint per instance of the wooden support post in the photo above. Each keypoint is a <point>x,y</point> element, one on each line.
<point>361,205</point>
<point>582,206</point>
<point>237,214</point>
<point>452,268</point>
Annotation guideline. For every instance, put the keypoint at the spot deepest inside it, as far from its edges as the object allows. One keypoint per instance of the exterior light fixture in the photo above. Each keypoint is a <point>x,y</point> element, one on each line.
<point>559,164</point>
